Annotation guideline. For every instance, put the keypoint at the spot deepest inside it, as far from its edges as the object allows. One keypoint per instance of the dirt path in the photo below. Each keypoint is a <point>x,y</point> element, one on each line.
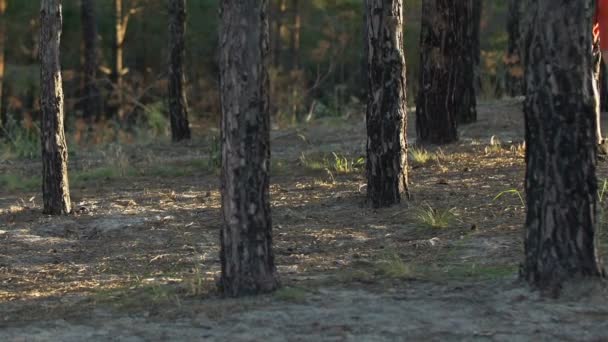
<point>138,260</point>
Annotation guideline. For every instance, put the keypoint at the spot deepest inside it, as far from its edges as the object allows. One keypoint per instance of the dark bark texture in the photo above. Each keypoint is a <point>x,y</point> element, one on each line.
<point>92,102</point>
<point>178,105</point>
<point>246,238</point>
<point>55,187</point>
<point>441,80</point>
<point>469,15</point>
<point>386,106</point>
<point>514,71</point>
<point>560,107</point>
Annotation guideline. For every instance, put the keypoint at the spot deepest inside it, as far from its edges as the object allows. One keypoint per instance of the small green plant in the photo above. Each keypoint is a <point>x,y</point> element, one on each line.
<point>197,285</point>
<point>420,156</point>
<point>511,192</point>
<point>435,218</point>
<point>342,164</point>
<point>602,193</point>
<point>215,153</point>
<point>392,266</point>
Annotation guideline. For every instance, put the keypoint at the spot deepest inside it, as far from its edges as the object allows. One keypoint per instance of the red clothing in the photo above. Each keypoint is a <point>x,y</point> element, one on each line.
<point>600,27</point>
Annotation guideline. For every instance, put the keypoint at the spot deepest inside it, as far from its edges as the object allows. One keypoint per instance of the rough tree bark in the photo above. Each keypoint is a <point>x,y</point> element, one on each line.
<point>514,71</point>
<point>178,105</point>
<point>561,185</point>
<point>92,97</point>
<point>440,75</point>
<point>469,15</point>
<point>246,237</point>
<point>55,187</point>
<point>386,105</point>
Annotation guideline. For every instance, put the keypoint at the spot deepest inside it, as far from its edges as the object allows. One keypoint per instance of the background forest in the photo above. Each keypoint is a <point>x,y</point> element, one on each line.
<point>316,64</point>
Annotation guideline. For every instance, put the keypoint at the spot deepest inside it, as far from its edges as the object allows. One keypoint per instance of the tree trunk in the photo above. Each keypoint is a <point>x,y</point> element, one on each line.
<point>92,97</point>
<point>280,26</point>
<point>117,73</point>
<point>55,187</point>
<point>440,77</point>
<point>470,20</point>
<point>600,89</point>
<point>2,65</point>
<point>561,184</point>
<point>246,237</point>
<point>178,106</point>
<point>295,35</point>
<point>386,106</point>
<point>514,71</point>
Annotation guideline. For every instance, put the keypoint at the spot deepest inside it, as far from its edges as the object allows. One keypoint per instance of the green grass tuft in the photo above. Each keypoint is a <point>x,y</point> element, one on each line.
<point>435,218</point>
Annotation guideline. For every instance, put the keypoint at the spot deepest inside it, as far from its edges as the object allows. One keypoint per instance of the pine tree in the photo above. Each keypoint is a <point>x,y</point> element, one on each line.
<point>55,186</point>
<point>178,105</point>
<point>561,184</point>
<point>386,105</point>
<point>246,237</point>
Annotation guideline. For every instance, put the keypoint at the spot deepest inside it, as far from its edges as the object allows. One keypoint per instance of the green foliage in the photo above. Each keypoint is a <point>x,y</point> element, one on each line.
<point>20,142</point>
<point>14,182</point>
<point>435,218</point>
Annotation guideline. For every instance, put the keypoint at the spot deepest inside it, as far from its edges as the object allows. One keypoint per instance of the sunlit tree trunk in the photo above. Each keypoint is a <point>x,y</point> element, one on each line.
<point>440,77</point>
<point>386,106</point>
<point>55,187</point>
<point>178,106</point>
<point>246,237</point>
<point>599,77</point>
<point>561,184</point>
<point>91,95</point>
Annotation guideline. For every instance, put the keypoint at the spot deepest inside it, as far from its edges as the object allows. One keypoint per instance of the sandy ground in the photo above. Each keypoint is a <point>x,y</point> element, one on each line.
<point>138,260</point>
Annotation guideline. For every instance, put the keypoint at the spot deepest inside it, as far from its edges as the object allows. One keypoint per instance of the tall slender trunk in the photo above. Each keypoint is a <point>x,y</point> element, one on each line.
<point>280,26</point>
<point>55,186</point>
<point>561,184</point>
<point>2,64</point>
<point>514,71</point>
<point>178,106</point>
<point>296,22</point>
<point>92,97</point>
<point>440,73</point>
<point>470,20</point>
<point>117,73</point>
<point>386,103</point>
<point>246,236</point>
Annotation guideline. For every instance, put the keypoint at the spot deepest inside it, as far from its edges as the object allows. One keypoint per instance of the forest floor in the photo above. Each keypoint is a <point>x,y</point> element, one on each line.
<point>138,259</point>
